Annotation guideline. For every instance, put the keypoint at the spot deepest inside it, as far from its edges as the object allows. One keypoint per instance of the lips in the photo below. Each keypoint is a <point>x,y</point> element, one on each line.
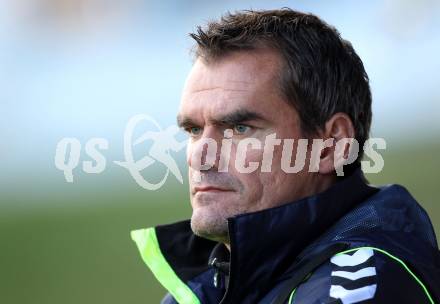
<point>210,189</point>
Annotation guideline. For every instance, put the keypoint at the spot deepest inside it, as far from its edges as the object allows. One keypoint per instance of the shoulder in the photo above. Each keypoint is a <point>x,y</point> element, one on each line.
<point>362,275</point>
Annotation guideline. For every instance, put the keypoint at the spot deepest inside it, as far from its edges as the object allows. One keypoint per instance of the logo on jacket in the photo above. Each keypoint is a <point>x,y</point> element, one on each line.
<point>353,278</point>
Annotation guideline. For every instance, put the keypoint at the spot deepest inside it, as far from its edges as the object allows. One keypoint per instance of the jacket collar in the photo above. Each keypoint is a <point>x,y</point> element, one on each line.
<point>265,243</point>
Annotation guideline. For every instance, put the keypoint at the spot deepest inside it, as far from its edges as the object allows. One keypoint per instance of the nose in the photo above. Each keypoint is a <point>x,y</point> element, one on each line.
<point>203,152</point>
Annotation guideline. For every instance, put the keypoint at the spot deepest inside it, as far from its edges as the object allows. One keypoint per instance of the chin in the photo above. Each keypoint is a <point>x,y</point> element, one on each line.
<point>209,224</point>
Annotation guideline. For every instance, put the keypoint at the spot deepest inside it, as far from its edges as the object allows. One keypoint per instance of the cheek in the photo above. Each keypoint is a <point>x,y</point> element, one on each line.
<point>246,156</point>
<point>251,181</point>
<point>193,174</point>
<point>290,152</point>
<point>188,159</point>
<point>188,152</point>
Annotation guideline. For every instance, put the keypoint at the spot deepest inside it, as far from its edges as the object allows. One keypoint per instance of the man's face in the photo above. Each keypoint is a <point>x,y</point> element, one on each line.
<point>239,92</point>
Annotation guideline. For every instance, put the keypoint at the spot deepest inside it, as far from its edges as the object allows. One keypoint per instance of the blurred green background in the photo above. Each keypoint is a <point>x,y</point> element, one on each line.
<point>82,68</point>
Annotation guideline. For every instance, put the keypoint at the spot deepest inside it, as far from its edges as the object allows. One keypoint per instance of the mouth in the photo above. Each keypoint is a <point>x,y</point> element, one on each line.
<point>210,189</point>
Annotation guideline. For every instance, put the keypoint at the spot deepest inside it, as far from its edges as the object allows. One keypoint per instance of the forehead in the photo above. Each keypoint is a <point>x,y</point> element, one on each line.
<point>242,80</point>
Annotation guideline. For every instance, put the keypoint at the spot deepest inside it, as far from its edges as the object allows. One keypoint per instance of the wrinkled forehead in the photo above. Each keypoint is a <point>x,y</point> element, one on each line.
<point>242,80</point>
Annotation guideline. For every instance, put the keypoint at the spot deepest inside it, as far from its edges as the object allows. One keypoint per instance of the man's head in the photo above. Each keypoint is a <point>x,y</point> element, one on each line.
<point>260,73</point>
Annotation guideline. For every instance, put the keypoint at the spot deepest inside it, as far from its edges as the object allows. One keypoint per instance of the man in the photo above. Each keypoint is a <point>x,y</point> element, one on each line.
<point>270,235</point>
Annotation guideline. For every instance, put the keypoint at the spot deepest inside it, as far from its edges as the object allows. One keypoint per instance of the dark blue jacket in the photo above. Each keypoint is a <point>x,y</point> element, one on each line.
<point>353,243</point>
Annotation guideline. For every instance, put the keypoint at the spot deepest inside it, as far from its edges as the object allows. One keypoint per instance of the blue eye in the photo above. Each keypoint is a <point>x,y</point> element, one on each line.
<point>241,129</point>
<point>195,130</point>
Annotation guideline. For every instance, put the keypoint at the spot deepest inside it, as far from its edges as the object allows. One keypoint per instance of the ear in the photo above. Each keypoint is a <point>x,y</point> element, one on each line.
<point>339,126</point>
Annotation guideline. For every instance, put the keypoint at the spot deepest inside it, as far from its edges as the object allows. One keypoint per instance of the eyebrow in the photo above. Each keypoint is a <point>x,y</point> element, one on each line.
<point>233,118</point>
<point>238,116</point>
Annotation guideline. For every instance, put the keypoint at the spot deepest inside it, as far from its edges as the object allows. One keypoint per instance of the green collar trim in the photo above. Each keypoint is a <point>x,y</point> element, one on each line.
<point>146,241</point>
